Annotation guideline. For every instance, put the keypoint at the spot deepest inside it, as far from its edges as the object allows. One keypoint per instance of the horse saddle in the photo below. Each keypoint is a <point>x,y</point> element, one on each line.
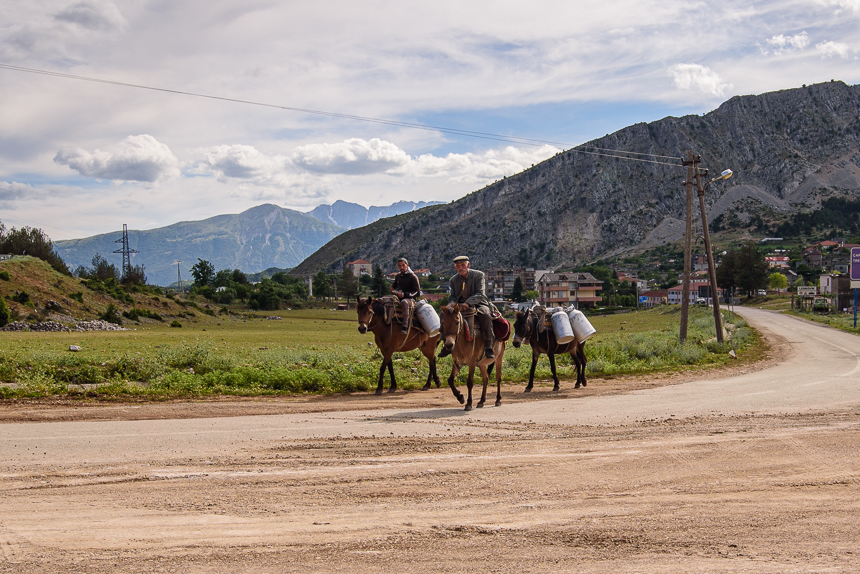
<point>501,327</point>
<point>394,312</point>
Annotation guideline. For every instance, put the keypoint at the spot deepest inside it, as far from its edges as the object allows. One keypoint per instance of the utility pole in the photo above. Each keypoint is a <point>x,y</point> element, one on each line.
<point>179,276</point>
<point>712,268</point>
<point>690,163</point>
<point>126,252</point>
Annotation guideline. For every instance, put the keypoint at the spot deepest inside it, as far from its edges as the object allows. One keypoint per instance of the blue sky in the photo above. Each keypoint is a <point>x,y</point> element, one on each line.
<point>79,158</point>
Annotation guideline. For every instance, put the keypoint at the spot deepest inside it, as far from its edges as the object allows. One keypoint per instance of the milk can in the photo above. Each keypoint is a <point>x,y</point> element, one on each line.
<point>582,328</point>
<point>561,327</point>
<point>428,317</point>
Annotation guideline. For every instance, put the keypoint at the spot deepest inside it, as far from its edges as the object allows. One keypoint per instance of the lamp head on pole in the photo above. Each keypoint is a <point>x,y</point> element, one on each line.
<point>725,175</point>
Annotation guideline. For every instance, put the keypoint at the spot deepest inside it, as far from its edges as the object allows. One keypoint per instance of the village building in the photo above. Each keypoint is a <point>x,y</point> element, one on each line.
<point>699,289</point>
<point>777,261</point>
<point>562,289</point>
<point>649,299</point>
<point>500,282</point>
<point>360,267</point>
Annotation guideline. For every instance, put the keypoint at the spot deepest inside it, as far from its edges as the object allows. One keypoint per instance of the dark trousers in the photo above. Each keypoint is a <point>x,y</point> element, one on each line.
<point>485,321</point>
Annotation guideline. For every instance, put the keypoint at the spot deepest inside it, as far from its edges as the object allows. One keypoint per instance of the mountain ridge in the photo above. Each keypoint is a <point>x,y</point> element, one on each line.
<point>789,150</point>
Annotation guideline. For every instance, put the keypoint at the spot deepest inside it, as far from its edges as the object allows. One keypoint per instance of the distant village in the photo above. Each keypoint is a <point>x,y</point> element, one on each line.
<point>824,265</point>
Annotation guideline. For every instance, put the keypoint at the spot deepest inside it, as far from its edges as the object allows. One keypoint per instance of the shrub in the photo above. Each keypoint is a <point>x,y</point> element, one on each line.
<point>79,296</point>
<point>135,314</point>
<point>4,275</point>
<point>5,314</point>
<point>175,323</point>
<point>21,297</point>
<point>111,315</point>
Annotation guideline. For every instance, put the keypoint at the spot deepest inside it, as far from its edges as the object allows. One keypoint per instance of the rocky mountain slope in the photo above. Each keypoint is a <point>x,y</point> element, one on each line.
<point>351,215</point>
<point>788,150</point>
<point>261,237</point>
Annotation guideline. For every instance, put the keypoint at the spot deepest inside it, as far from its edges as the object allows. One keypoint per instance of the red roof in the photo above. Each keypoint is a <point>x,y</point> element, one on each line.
<point>359,262</point>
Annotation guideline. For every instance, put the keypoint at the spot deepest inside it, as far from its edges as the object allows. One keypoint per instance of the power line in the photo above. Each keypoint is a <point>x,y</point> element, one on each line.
<point>396,123</point>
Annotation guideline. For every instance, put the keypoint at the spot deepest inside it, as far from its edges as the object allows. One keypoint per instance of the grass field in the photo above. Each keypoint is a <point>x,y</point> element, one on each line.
<point>311,351</point>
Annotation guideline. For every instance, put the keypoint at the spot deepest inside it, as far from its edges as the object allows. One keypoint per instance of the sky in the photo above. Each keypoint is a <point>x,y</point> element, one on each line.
<point>79,158</point>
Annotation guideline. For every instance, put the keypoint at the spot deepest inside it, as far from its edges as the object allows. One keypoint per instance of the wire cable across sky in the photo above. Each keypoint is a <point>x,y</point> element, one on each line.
<point>602,152</point>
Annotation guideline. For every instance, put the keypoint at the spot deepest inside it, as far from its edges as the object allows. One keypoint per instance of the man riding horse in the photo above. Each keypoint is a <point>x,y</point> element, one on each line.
<point>407,288</point>
<point>469,291</point>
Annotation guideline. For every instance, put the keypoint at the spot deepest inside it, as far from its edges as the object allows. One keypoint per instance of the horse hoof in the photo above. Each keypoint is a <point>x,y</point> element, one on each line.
<point>576,386</point>
<point>479,405</point>
<point>391,390</point>
<point>584,384</point>
<point>378,392</point>
<point>461,399</point>
<point>468,407</point>
<point>426,387</point>
<point>498,403</point>
<point>528,390</point>
<point>556,388</point>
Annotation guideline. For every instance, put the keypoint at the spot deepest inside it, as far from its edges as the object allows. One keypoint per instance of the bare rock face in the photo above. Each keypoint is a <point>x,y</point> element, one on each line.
<point>789,150</point>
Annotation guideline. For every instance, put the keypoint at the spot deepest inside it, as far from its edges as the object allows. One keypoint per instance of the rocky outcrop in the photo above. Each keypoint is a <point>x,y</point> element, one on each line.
<point>788,149</point>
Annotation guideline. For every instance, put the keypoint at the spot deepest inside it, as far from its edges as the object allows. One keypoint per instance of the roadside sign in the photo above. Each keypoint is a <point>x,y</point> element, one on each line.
<point>643,299</point>
<point>855,285</point>
<point>855,263</point>
<point>807,291</point>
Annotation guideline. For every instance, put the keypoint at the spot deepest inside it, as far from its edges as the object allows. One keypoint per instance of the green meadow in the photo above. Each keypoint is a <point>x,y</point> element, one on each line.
<point>315,352</point>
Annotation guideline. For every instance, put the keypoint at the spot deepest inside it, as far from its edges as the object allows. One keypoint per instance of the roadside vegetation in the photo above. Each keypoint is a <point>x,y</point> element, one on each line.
<point>313,351</point>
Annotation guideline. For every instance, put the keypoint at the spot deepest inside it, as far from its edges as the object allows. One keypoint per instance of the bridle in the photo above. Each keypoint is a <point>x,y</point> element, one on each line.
<point>368,323</point>
<point>527,332</point>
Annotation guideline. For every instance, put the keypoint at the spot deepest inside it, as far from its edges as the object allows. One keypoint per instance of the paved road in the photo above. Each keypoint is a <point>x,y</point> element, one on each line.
<point>822,372</point>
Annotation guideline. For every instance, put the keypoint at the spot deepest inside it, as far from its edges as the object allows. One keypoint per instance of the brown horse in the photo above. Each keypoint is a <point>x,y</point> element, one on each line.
<point>526,329</point>
<point>471,353</point>
<point>390,340</point>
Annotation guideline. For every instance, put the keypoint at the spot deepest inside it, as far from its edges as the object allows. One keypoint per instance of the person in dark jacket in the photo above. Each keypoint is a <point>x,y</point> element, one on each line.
<point>407,288</point>
<point>469,290</point>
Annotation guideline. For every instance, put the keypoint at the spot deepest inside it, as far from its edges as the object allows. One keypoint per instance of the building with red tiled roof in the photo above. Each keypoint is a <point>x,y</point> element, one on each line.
<point>360,267</point>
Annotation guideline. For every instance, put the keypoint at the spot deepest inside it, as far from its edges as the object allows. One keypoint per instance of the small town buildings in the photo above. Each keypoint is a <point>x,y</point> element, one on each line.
<point>360,267</point>
<point>562,289</point>
<point>654,298</point>
<point>812,257</point>
<point>699,289</point>
<point>777,261</point>
<point>837,288</point>
<point>500,282</point>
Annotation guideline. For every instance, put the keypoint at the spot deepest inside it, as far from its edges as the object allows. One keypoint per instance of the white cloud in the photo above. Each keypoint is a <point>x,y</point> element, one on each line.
<point>696,76</point>
<point>481,168</point>
<point>137,158</point>
<point>782,43</point>
<point>11,191</point>
<point>354,156</point>
<point>239,162</point>
<point>852,6</point>
<point>830,49</point>
<point>92,15</point>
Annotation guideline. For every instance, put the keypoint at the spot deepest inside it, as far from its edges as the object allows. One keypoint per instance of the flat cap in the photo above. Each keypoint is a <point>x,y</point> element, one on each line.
<point>460,259</point>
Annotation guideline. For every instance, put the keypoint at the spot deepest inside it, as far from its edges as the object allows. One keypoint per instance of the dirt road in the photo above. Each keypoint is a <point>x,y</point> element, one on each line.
<point>753,471</point>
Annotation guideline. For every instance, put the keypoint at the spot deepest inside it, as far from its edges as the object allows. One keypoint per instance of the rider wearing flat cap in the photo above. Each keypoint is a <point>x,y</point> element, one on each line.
<point>469,291</point>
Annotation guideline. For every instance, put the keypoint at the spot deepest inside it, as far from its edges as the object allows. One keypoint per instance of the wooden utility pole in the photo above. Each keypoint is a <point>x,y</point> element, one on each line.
<point>690,162</point>
<point>712,267</point>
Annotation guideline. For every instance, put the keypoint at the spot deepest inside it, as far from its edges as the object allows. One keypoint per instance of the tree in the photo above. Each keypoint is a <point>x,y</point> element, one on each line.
<point>517,291</point>
<point>101,269</point>
<point>136,275</point>
<point>532,295</point>
<point>348,285</point>
<point>31,241</point>
<point>322,286</point>
<point>203,272</point>
<point>778,281</point>
<point>751,268</point>
<point>727,272</point>
<point>380,284</point>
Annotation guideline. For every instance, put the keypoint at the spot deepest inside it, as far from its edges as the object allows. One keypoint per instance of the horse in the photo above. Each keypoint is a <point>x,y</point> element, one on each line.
<point>390,340</point>
<point>471,353</point>
<point>526,329</point>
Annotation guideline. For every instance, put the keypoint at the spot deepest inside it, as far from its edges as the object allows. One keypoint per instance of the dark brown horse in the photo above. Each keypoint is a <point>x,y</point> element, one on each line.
<point>390,340</point>
<point>526,329</point>
<point>471,353</point>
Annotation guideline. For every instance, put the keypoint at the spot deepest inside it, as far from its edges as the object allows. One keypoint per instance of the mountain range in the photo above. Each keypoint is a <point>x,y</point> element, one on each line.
<point>789,150</point>
<point>259,238</point>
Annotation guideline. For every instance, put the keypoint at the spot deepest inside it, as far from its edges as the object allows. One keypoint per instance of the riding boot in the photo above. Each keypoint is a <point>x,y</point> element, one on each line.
<point>486,323</point>
<point>445,352</point>
<point>406,316</point>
